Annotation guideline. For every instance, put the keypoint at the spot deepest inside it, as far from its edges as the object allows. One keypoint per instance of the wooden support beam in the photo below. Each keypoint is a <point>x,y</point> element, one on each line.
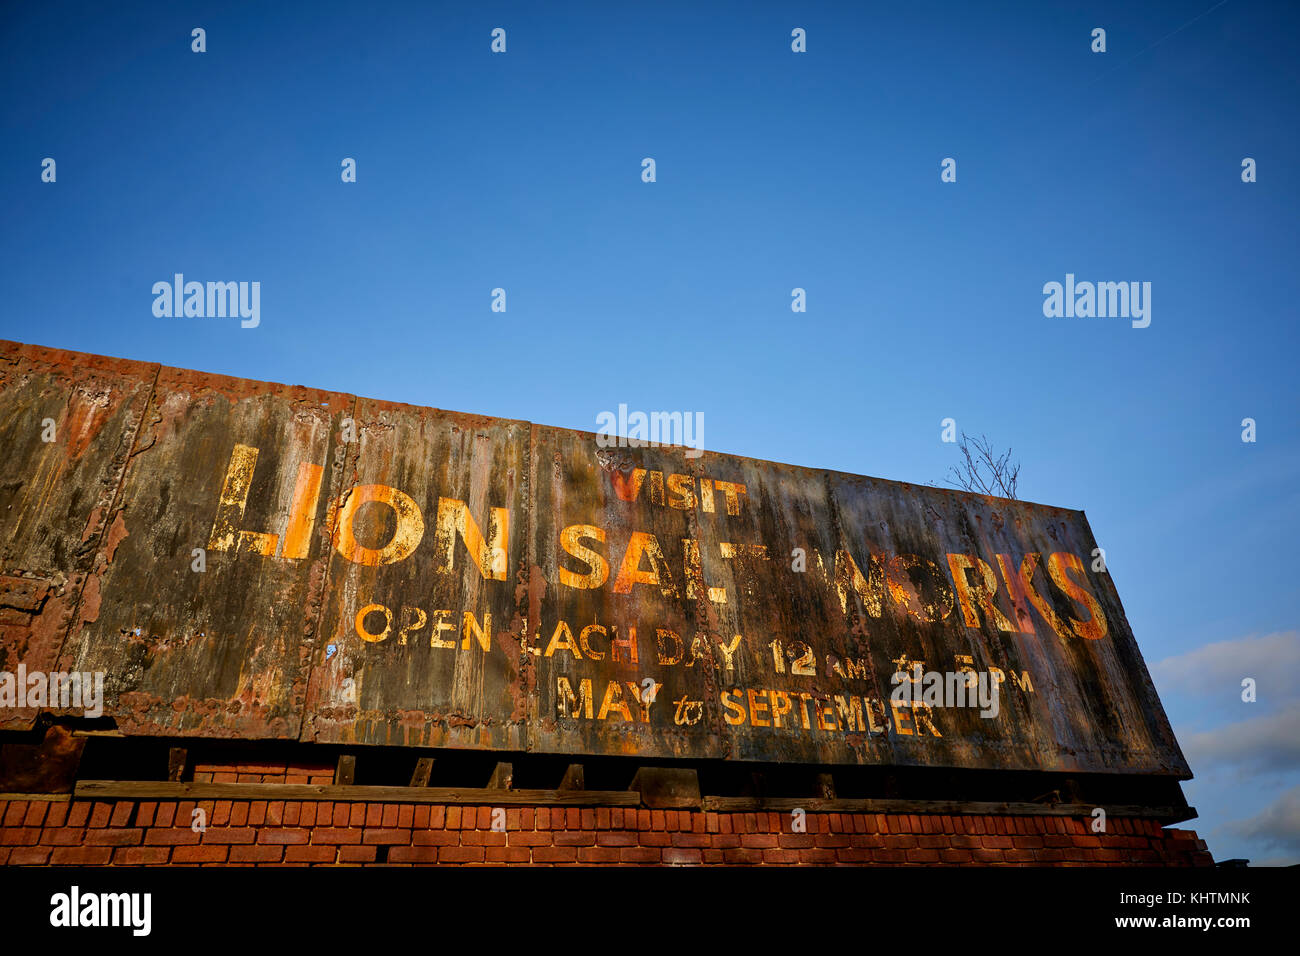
<point>46,767</point>
<point>890,785</point>
<point>176,757</point>
<point>826,786</point>
<point>503,775</point>
<point>159,790</point>
<point>51,797</point>
<point>668,788</point>
<point>346,771</point>
<point>574,778</point>
<point>423,768</point>
<point>948,807</point>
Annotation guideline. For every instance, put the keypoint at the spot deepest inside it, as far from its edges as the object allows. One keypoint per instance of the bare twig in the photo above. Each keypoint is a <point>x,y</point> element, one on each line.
<point>981,472</point>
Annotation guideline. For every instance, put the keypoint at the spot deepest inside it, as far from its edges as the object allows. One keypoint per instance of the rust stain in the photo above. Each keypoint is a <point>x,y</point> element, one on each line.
<point>115,535</point>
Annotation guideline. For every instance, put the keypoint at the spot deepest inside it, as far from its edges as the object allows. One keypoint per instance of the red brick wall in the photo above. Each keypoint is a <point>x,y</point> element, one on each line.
<point>293,832</point>
<point>265,772</point>
<point>261,832</point>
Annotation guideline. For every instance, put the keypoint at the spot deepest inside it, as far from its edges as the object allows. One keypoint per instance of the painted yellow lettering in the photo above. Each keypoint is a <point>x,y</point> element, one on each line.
<point>470,628</point>
<point>734,712</point>
<point>869,587</point>
<point>907,595</point>
<point>440,625</point>
<point>902,716</point>
<point>630,572</point>
<point>562,640</point>
<point>614,702</point>
<point>922,715</point>
<point>302,511</point>
<point>571,540</point>
<point>850,711</point>
<point>586,647</point>
<point>644,704</point>
<point>825,714</point>
<point>780,706</point>
<point>976,595</point>
<point>488,554</point>
<point>623,649</point>
<point>1058,566</point>
<point>683,486</point>
<point>667,657</point>
<point>226,535</point>
<point>565,698</point>
<point>728,652</point>
<point>694,573</point>
<point>732,491</point>
<point>706,495</point>
<point>365,633</point>
<point>406,535</point>
<point>412,620</point>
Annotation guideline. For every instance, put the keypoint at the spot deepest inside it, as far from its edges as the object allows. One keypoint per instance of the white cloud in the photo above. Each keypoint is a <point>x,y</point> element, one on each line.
<point>1277,825</point>
<point>1267,744</point>
<point>1273,660</point>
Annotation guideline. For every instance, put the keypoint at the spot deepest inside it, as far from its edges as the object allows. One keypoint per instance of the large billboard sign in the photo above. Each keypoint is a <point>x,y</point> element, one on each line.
<point>243,559</point>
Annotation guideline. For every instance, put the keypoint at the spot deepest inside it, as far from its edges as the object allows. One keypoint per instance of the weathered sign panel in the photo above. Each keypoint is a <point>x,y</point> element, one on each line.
<point>610,604</point>
<point>419,638</point>
<point>206,617</point>
<point>292,563</point>
<point>56,496</point>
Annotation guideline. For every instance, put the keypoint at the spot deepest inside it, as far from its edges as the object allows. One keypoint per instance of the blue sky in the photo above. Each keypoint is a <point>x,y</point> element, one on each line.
<point>775,170</point>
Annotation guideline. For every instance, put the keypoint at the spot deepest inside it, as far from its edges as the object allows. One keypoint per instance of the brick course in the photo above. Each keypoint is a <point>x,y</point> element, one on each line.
<point>332,833</point>
<point>157,833</point>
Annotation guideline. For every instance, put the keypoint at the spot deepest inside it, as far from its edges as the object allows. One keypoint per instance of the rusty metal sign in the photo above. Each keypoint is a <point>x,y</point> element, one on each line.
<point>419,638</point>
<point>68,422</point>
<point>204,625</point>
<point>251,560</point>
